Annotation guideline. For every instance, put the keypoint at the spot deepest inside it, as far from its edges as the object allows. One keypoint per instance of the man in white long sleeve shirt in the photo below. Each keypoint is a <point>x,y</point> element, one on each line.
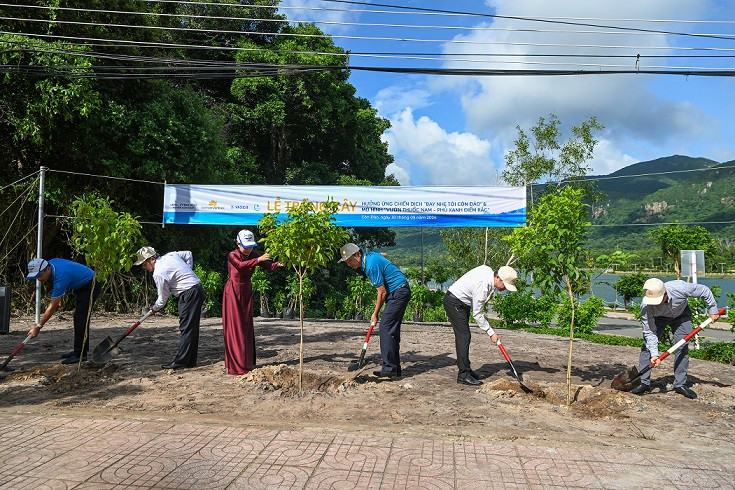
<point>662,305</point>
<point>472,292</point>
<point>174,276</point>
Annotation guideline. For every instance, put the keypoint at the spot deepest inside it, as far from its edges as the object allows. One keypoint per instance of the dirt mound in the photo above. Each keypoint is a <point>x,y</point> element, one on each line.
<point>63,378</point>
<point>587,401</point>
<point>286,379</point>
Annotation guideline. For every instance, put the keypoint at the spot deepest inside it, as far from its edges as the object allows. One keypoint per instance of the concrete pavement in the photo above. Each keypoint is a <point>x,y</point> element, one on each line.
<point>66,453</point>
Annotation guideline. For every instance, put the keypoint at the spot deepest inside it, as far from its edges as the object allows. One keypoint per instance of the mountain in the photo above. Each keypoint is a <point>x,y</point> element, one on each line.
<point>684,189</point>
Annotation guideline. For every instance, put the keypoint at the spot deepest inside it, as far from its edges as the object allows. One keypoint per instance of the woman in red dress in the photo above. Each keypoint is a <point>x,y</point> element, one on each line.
<point>237,303</point>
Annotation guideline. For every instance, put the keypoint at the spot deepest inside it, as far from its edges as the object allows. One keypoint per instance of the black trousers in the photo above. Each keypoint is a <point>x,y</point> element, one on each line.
<point>190,313</point>
<point>81,321</point>
<point>390,328</point>
<point>459,317</point>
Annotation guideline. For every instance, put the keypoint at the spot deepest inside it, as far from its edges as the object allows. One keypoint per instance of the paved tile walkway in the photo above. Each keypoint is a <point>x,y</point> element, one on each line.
<point>46,452</point>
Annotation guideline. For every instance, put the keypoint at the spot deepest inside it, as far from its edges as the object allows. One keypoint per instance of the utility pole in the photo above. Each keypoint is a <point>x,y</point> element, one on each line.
<point>39,238</point>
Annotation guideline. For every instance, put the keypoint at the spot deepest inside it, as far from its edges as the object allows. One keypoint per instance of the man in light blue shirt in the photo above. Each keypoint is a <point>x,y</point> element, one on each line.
<point>393,292</point>
<point>64,275</point>
<point>174,276</point>
<point>662,305</point>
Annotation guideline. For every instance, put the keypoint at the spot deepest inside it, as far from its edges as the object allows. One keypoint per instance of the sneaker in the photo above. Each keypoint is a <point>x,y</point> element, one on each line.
<point>687,392</point>
<point>641,389</point>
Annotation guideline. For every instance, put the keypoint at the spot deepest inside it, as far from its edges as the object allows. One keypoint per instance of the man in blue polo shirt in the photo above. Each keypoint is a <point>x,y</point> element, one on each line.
<point>65,275</point>
<point>394,292</point>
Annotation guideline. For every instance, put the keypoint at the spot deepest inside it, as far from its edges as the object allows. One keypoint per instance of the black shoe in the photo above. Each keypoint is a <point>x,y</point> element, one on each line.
<point>68,355</point>
<point>73,359</point>
<point>386,374</point>
<point>476,375</point>
<point>468,379</point>
<point>173,365</point>
<point>641,389</point>
<point>687,392</point>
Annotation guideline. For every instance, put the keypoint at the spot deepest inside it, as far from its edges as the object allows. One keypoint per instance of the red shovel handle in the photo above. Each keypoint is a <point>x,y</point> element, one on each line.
<point>689,336</point>
<point>505,352</point>
<point>370,331</point>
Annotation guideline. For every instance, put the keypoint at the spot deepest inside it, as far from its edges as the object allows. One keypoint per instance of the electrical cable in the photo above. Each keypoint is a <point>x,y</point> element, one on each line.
<point>19,180</point>
<point>367,38</point>
<point>104,176</point>
<point>367,24</point>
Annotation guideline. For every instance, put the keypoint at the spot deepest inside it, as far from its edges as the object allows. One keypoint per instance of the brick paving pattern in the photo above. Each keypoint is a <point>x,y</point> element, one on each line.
<point>65,453</point>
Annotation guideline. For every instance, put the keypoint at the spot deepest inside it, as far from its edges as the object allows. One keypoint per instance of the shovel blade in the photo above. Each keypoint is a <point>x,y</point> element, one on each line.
<point>105,351</point>
<point>627,381</point>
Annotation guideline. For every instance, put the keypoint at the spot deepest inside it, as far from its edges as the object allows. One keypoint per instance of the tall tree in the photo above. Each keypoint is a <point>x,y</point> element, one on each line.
<point>674,238</point>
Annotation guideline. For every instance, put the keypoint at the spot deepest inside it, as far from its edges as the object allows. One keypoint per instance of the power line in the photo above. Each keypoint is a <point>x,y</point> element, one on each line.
<point>364,24</point>
<point>523,18</point>
<point>19,180</point>
<point>368,38</point>
<point>104,176</point>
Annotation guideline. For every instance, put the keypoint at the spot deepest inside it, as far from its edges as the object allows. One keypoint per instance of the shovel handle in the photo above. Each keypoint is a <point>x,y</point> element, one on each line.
<point>364,345</point>
<point>133,327</point>
<point>505,352</point>
<point>677,345</point>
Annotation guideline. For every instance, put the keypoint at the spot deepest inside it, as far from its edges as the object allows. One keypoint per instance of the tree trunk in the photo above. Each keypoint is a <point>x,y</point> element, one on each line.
<point>571,343</point>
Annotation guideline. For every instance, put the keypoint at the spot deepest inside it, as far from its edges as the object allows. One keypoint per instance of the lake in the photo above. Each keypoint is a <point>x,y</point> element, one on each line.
<point>607,293</point>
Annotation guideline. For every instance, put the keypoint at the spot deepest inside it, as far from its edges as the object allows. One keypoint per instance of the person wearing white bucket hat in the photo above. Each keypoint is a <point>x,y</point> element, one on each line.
<point>174,276</point>
<point>237,303</point>
<point>471,292</point>
<point>64,275</point>
<point>666,304</point>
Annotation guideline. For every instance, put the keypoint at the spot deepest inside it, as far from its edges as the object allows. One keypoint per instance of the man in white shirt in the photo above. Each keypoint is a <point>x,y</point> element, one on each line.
<point>174,276</point>
<point>472,292</point>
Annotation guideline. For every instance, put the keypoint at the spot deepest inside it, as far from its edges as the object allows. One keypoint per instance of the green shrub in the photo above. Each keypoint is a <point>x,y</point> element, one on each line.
<point>586,315</point>
<point>435,314</point>
<point>543,310</point>
<point>212,284</point>
<point>723,352</point>
<point>513,308</point>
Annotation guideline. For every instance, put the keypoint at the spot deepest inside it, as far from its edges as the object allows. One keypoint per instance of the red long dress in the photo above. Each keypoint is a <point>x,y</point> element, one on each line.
<point>237,311</point>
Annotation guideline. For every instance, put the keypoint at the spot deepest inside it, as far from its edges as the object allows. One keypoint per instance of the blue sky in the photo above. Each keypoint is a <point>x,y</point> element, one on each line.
<point>454,130</point>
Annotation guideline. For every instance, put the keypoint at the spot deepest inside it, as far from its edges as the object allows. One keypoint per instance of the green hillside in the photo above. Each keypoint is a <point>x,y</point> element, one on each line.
<point>632,204</point>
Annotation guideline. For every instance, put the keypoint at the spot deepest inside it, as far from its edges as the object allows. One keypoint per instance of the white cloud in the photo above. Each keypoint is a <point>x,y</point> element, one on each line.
<point>427,154</point>
<point>608,158</point>
<point>394,99</point>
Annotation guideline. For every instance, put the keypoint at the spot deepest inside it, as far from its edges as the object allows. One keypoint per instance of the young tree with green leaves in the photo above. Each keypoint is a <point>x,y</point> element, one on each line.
<point>306,239</point>
<point>552,245</point>
<point>545,157</point>
<point>675,238</point>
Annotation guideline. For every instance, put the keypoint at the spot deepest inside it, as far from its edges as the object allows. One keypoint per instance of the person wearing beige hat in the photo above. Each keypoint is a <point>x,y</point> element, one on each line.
<point>174,276</point>
<point>471,292</point>
<point>666,304</point>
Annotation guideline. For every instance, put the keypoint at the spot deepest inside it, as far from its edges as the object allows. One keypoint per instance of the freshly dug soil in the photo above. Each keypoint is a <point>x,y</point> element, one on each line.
<point>426,401</point>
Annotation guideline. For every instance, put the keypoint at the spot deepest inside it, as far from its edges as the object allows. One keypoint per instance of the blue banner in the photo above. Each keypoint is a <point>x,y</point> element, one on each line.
<point>426,206</point>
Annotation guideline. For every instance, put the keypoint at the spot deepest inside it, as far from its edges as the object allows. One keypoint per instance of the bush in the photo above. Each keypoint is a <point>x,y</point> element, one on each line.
<point>513,308</point>
<point>212,284</point>
<point>435,314</point>
<point>723,352</point>
<point>586,315</point>
<point>543,310</point>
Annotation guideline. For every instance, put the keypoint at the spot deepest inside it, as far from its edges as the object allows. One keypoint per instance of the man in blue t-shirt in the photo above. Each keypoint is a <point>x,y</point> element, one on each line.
<point>394,292</point>
<point>65,275</point>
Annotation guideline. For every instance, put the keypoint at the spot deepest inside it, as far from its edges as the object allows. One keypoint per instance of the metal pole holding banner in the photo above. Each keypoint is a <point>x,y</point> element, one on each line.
<point>39,238</point>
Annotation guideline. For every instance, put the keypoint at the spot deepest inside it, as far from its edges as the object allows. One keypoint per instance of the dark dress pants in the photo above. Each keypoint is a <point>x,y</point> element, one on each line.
<point>459,317</point>
<point>81,315</point>
<point>390,328</point>
<point>680,327</point>
<point>190,313</point>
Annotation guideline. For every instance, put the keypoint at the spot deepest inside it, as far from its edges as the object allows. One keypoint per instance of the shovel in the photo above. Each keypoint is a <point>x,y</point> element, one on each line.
<point>355,366</point>
<point>109,349</point>
<point>623,382</point>
<point>517,375</point>
<point>4,365</point>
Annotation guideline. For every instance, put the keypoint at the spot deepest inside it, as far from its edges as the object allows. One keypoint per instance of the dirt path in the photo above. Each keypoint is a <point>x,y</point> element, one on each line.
<point>426,402</point>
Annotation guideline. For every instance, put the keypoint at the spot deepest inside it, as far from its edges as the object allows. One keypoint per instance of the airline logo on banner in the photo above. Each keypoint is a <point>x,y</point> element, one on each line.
<point>429,206</point>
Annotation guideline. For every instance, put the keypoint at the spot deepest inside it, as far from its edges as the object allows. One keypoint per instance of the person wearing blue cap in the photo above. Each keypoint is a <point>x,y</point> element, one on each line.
<point>237,303</point>
<point>394,292</point>
<point>64,275</point>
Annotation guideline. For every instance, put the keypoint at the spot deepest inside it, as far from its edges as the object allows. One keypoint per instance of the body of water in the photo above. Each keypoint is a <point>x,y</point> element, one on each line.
<point>607,292</point>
